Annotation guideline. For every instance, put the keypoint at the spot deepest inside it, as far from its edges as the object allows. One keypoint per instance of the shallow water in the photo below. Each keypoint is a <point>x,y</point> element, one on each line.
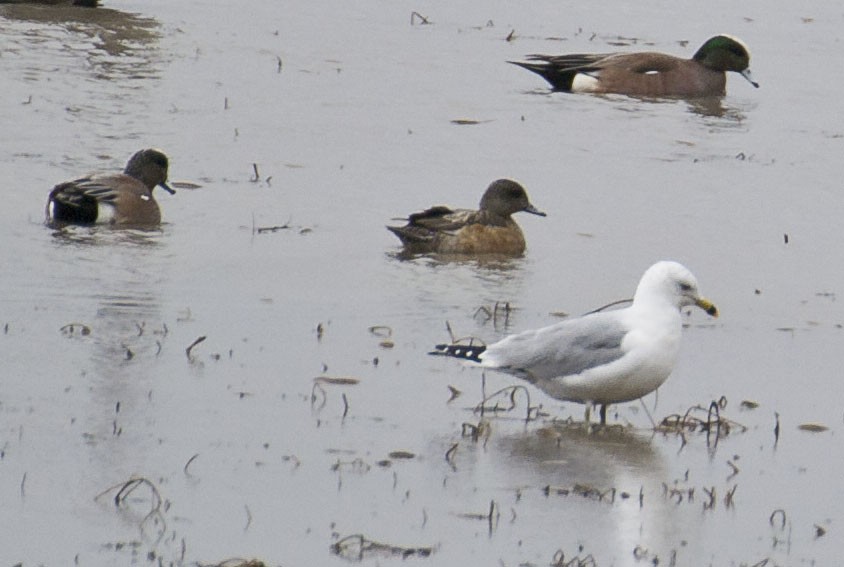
<point>346,110</point>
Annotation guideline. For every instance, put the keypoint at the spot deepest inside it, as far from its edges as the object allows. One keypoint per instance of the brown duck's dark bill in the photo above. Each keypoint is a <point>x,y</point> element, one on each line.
<point>167,188</point>
<point>746,74</point>
<point>534,211</point>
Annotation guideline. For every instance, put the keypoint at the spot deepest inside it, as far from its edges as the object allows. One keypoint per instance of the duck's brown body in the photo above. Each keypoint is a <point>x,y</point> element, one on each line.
<point>116,198</point>
<point>646,74</point>
<point>488,230</point>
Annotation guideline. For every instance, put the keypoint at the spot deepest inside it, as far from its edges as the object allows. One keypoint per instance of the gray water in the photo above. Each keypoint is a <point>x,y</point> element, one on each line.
<point>348,112</point>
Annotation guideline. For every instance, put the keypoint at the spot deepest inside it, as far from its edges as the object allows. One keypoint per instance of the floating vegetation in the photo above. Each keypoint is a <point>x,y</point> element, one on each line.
<point>188,464</point>
<point>780,523</point>
<point>357,465</point>
<point>269,229</point>
<point>700,419</point>
<point>235,563</point>
<point>777,517</point>
<point>256,177</point>
<point>499,311</point>
<point>384,332</point>
<point>152,523</point>
<point>337,380</point>
<point>584,490</point>
<point>468,121</point>
<point>748,404</point>
<point>449,455</point>
<point>490,517</point>
<point>468,340</point>
<point>190,347</point>
<point>509,394</point>
<point>75,329</point>
<point>481,431</point>
<point>684,494</point>
<point>812,427</point>
<point>570,426</point>
<point>273,228</point>
<point>416,17</point>
<point>559,560</point>
<point>318,393</point>
<point>401,455</point>
<point>454,393</point>
<point>357,547</point>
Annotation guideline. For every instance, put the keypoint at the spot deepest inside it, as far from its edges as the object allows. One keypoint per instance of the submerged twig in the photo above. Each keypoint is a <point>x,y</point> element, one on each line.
<point>123,490</point>
<point>449,455</point>
<point>193,344</point>
<point>417,16</point>
<point>530,414</point>
<point>491,516</point>
<point>559,560</point>
<point>188,464</point>
<point>356,547</point>
<point>692,421</point>
<point>72,329</point>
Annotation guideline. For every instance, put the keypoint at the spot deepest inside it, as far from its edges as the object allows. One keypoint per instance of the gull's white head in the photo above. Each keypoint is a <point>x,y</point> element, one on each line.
<point>673,283</point>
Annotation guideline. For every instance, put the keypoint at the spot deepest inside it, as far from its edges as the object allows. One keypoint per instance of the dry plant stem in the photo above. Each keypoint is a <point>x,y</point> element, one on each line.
<point>416,15</point>
<point>482,407</point>
<point>188,464</point>
<point>193,344</point>
<point>125,489</point>
<point>449,455</point>
<point>356,547</point>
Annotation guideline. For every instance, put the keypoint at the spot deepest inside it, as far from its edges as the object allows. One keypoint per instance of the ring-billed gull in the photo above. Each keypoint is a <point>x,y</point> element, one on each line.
<point>604,357</point>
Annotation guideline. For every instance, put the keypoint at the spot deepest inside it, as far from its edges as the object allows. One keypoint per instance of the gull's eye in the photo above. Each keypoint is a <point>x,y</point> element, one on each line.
<point>685,287</point>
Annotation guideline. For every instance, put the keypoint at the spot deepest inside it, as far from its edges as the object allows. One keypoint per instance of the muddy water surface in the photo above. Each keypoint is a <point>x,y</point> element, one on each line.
<point>326,120</point>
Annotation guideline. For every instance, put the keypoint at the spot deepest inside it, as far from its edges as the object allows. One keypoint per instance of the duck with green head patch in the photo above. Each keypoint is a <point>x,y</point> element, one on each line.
<point>647,74</point>
<point>113,198</point>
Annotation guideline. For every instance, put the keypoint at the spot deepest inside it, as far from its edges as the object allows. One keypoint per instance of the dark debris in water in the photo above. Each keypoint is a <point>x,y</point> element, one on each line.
<point>700,419</point>
<point>812,427</point>
<point>235,562</point>
<point>75,330</point>
<point>560,560</point>
<point>468,121</point>
<point>357,547</point>
<point>586,491</point>
<point>141,495</point>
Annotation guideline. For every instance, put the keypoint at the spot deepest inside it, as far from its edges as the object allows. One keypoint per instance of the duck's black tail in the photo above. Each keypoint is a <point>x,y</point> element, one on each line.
<point>467,352</point>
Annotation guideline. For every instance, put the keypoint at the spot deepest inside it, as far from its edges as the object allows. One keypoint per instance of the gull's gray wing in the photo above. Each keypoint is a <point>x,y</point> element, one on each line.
<point>563,349</point>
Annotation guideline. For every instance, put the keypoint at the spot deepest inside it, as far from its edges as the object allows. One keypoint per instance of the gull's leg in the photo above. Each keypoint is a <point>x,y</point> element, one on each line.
<point>604,414</point>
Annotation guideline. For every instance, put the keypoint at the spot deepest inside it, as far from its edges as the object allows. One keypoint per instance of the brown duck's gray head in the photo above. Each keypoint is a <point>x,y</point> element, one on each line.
<point>505,197</point>
<point>150,167</point>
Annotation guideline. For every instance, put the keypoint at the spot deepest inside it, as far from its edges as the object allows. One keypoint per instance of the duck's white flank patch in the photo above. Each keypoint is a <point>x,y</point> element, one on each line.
<point>105,213</point>
<point>583,83</point>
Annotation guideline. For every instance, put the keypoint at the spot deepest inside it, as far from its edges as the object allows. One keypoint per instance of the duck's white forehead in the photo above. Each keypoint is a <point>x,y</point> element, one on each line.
<point>737,40</point>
